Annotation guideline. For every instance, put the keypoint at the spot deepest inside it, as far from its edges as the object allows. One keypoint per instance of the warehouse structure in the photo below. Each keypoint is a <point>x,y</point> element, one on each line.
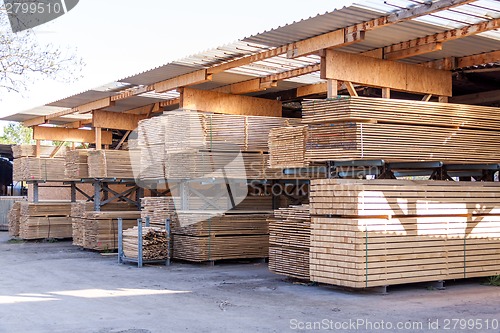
<point>364,79</point>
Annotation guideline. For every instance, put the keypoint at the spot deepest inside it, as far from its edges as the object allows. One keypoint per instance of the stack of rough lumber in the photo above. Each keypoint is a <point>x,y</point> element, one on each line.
<point>154,243</point>
<point>99,230</point>
<point>194,144</point>
<point>385,232</point>
<point>32,168</point>
<point>158,209</point>
<point>372,128</point>
<point>233,235</point>
<point>45,220</point>
<point>77,164</point>
<point>289,241</point>
<point>287,147</point>
<point>14,219</point>
<point>112,163</point>
<point>30,151</point>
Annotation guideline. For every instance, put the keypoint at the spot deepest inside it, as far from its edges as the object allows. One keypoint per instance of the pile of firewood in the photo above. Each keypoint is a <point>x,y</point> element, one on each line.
<point>154,243</point>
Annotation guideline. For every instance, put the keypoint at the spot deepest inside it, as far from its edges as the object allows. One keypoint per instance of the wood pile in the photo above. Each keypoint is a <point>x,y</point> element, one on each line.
<point>14,219</point>
<point>32,168</point>
<point>111,163</point>
<point>30,151</point>
<point>380,232</point>
<point>158,209</point>
<point>228,236</point>
<point>154,243</point>
<point>76,164</point>
<point>289,241</point>
<point>287,147</point>
<point>45,220</point>
<point>371,128</point>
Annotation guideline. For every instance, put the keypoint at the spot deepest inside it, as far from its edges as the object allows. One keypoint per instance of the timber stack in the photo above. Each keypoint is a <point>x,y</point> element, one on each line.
<point>289,241</point>
<point>14,219</point>
<point>158,209</point>
<point>45,220</point>
<point>199,236</point>
<point>112,163</point>
<point>154,243</point>
<point>360,128</point>
<point>386,232</point>
<point>76,164</point>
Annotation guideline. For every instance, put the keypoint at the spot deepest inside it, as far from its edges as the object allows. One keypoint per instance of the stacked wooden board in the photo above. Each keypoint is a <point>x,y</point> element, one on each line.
<point>360,128</point>
<point>14,219</point>
<point>154,243</point>
<point>381,232</point>
<point>45,220</point>
<point>112,163</point>
<point>76,164</point>
<point>231,235</point>
<point>45,151</point>
<point>289,241</point>
<point>370,128</point>
<point>32,168</point>
<point>158,209</point>
<point>186,144</point>
<point>287,147</point>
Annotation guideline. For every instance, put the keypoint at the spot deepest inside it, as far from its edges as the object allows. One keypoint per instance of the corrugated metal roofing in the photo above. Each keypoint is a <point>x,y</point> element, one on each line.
<point>457,17</point>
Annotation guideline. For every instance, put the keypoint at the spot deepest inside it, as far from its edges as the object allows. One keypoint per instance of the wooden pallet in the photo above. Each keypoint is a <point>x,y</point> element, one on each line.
<point>374,233</point>
<point>289,241</point>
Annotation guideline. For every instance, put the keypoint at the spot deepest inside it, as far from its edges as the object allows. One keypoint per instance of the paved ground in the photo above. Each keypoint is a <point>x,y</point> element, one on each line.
<point>54,287</point>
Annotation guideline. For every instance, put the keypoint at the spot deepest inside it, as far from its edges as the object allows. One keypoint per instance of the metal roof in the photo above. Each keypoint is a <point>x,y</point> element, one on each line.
<point>457,17</point>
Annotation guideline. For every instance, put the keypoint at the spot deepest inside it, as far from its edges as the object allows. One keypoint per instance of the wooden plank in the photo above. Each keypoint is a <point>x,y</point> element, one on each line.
<point>68,135</point>
<point>312,89</point>
<point>114,120</point>
<point>386,93</point>
<point>210,101</point>
<point>350,88</point>
<point>241,87</point>
<point>56,149</point>
<point>312,45</point>
<point>38,147</point>
<point>478,59</point>
<point>35,121</point>
<point>332,88</point>
<point>197,77</point>
<point>383,73</point>
<point>98,138</point>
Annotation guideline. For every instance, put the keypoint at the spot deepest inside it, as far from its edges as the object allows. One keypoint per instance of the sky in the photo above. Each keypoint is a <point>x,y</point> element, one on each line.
<point>119,38</point>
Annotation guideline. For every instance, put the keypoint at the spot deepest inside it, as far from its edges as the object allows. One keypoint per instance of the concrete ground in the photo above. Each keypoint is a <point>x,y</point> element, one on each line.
<point>55,287</point>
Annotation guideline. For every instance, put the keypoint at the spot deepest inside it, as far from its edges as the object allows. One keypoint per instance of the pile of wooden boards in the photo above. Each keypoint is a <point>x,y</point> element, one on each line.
<point>289,241</point>
<point>112,163</point>
<point>154,243</point>
<point>76,164</point>
<point>287,147</point>
<point>233,235</point>
<point>32,168</point>
<point>14,219</point>
<point>45,151</point>
<point>99,230</point>
<point>182,145</point>
<point>158,209</point>
<point>385,232</point>
<point>361,128</point>
<point>45,220</point>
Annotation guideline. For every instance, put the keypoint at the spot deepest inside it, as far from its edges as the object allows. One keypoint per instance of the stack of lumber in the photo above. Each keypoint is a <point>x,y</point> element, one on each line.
<point>77,164</point>
<point>287,147</point>
<point>258,129</point>
<point>386,232</point>
<point>32,168</point>
<point>369,128</point>
<point>158,209</point>
<point>112,163</point>
<point>233,235</point>
<point>289,241</point>
<point>14,219</point>
<point>154,243</point>
<point>45,220</point>
<point>78,210</point>
<point>30,151</point>
<point>100,229</point>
